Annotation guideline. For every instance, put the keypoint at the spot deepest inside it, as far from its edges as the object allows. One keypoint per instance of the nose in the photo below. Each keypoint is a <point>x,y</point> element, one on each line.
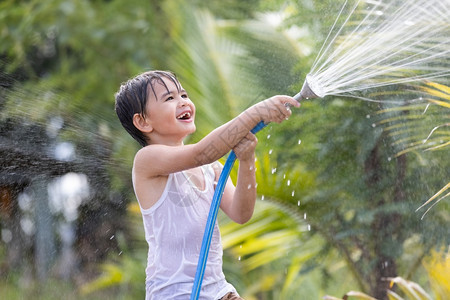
<point>183,101</point>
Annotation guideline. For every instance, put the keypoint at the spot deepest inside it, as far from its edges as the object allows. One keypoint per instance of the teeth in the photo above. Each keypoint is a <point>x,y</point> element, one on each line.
<point>185,115</point>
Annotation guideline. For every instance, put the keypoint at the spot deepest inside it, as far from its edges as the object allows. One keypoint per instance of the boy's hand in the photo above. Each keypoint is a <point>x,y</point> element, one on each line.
<point>275,109</point>
<point>245,149</point>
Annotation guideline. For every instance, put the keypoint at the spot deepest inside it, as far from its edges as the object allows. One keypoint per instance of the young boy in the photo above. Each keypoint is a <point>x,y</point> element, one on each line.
<point>174,183</point>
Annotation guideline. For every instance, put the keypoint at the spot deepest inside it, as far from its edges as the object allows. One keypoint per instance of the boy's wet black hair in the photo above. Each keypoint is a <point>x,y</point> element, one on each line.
<point>132,99</point>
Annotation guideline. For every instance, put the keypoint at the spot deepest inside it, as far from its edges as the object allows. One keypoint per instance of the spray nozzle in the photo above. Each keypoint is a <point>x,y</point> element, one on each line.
<point>310,89</point>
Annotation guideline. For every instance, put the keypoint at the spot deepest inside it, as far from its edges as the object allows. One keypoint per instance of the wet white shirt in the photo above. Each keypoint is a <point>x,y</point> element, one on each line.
<point>174,228</point>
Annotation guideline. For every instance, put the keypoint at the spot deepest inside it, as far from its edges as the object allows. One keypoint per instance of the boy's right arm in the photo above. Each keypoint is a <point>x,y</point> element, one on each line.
<point>169,159</point>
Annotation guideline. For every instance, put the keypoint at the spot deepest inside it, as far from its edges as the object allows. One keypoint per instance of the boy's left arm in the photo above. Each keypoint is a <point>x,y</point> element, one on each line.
<point>239,202</point>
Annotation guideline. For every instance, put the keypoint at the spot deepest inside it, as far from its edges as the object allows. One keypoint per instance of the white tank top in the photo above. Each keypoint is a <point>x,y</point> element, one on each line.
<point>174,228</point>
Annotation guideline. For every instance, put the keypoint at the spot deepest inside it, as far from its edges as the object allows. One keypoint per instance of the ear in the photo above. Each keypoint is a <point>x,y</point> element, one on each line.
<point>142,123</point>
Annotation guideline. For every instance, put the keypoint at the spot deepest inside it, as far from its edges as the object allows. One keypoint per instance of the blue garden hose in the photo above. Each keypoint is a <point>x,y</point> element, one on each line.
<point>209,228</point>
<point>305,93</point>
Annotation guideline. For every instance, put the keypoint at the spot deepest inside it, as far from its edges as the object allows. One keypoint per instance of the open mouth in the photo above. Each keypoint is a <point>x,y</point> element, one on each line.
<point>184,116</point>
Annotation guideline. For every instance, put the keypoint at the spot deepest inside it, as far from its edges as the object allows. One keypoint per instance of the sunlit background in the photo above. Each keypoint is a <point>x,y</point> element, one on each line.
<point>339,183</point>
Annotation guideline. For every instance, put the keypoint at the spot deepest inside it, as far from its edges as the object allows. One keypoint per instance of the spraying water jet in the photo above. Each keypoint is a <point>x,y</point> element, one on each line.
<point>383,43</point>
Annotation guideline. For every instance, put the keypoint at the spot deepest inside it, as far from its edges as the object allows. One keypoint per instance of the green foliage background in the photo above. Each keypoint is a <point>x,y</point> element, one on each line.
<point>338,208</point>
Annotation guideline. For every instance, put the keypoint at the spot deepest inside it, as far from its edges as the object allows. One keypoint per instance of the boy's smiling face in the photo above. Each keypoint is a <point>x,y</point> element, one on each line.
<point>169,112</point>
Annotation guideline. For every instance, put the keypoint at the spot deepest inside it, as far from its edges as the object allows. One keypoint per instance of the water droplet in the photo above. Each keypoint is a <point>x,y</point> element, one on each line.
<point>293,193</point>
<point>239,258</point>
<point>256,185</point>
<point>298,203</point>
<point>251,168</point>
<point>120,253</point>
<point>270,151</point>
<point>368,116</point>
<point>262,197</point>
<point>274,170</point>
<point>309,227</point>
<point>304,216</point>
<point>426,108</point>
<point>249,186</point>
<point>389,158</point>
<point>288,182</point>
<point>268,136</point>
<point>284,176</point>
<point>299,142</point>
<point>240,246</point>
<point>111,237</point>
<point>374,125</point>
<point>256,159</point>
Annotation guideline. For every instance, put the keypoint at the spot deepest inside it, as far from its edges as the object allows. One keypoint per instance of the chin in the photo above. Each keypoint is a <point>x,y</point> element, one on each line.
<point>193,129</point>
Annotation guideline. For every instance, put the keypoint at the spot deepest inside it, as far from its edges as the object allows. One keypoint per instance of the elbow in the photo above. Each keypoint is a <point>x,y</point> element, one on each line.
<point>243,218</point>
<point>243,210</point>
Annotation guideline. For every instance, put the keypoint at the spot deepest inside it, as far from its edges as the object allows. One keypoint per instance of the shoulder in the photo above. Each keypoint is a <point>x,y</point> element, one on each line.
<point>148,151</point>
<point>217,168</point>
<point>147,157</point>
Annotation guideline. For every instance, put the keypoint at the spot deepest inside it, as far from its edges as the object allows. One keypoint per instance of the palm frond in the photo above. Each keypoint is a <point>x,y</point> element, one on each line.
<point>410,125</point>
<point>434,197</point>
<point>411,289</point>
<point>400,121</point>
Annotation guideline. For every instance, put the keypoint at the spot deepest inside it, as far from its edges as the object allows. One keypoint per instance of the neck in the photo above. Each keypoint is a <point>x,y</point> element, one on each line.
<point>166,141</point>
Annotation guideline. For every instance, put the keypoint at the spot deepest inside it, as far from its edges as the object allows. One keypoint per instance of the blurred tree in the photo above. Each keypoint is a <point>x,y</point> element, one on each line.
<point>50,62</point>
